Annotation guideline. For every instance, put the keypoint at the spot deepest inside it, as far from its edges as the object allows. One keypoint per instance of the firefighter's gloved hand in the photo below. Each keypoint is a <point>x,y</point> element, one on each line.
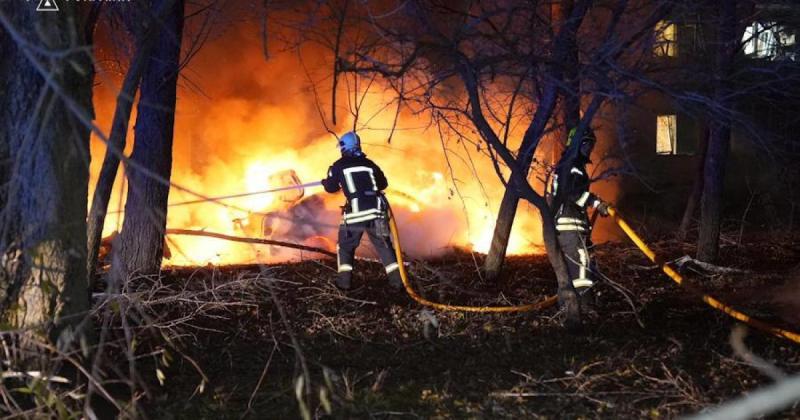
<point>602,208</point>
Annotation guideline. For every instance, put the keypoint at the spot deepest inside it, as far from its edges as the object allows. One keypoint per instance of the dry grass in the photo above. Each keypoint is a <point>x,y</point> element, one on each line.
<point>281,341</point>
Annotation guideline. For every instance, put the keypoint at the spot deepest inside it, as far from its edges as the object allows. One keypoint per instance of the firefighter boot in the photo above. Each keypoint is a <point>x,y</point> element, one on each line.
<point>395,281</point>
<point>586,297</point>
<point>344,280</point>
<point>568,300</point>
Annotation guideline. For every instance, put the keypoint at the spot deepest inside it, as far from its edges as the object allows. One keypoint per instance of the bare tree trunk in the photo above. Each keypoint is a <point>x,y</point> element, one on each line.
<point>566,53</point>
<point>519,185</point>
<point>116,140</point>
<point>719,141</point>
<point>713,185</point>
<point>697,186</point>
<point>45,167</point>
<point>141,241</point>
<point>508,206</point>
<point>567,296</point>
<point>493,264</point>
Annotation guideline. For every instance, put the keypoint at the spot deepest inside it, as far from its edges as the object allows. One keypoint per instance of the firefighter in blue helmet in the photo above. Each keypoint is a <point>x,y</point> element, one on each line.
<point>571,200</point>
<point>365,210</point>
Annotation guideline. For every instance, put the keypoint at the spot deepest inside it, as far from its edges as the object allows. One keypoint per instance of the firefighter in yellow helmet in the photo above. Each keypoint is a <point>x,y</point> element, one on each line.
<point>571,200</point>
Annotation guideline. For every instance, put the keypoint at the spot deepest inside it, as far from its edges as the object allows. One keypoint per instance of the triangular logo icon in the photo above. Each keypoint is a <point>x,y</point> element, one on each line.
<point>47,6</point>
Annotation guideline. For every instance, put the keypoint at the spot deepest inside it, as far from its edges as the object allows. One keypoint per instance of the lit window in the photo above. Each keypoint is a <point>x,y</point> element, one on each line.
<point>666,39</point>
<point>768,40</point>
<point>667,134</point>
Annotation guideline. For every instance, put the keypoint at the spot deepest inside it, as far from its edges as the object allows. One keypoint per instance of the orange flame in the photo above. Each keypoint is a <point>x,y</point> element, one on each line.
<point>261,119</point>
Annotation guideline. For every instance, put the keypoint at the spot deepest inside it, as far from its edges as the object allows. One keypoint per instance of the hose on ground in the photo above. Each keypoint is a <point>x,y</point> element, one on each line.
<point>546,302</point>
<point>708,299</point>
<point>542,304</point>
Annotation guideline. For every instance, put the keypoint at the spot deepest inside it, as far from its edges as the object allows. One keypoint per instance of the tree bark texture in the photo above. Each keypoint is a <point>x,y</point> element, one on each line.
<point>567,297</point>
<point>719,141</point>
<point>141,241</point>
<point>44,167</point>
<point>496,255</point>
<point>519,184</point>
<point>117,140</point>
<point>697,186</point>
<point>565,57</point>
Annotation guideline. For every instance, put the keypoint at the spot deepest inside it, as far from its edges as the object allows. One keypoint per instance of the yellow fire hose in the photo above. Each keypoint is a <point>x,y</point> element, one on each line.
<point>551,300</point>
<point>714,303</point>
<point>547,302</point>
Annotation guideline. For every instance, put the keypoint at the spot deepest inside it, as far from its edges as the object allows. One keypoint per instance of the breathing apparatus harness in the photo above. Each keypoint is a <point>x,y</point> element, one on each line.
<point>381,223</point>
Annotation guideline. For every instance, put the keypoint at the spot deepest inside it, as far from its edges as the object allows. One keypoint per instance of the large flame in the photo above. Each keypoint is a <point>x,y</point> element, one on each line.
<point>256,118</point>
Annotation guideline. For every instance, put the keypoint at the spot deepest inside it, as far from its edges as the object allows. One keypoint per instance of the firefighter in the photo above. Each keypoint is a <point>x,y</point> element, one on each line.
<point>571,199</point>
<point>365,210</point>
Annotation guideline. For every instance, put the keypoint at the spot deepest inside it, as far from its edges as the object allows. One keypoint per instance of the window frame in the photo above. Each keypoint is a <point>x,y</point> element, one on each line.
<point>769,40</point>
<point>665,39</point>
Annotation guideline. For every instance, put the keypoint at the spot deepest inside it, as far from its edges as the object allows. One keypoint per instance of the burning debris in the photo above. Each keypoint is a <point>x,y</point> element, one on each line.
<point>287,179</point>
<point>308,221</point>
<point>468,132</point>
<point>270,142</point>
<point>292,217</point>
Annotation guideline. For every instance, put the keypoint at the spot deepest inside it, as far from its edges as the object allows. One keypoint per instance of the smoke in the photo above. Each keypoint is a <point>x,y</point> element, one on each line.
<point>241,119</point>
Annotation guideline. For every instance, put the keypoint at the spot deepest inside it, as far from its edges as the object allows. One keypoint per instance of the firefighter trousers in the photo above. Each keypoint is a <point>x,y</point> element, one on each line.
<point>576,245</point>
<point>350,237</point>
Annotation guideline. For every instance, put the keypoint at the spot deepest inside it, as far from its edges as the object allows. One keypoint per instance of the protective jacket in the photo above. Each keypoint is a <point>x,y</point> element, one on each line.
<point>571,197</point>
<point>362,182</point>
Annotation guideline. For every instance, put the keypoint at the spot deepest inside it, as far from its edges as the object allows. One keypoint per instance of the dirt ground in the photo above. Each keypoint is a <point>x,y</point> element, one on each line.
<point>374,353</point>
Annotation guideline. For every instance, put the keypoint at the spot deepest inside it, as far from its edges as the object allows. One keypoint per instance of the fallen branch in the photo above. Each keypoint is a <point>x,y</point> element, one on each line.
<point>222,236</point>
<point>638,267</point>
<point>710,268</point>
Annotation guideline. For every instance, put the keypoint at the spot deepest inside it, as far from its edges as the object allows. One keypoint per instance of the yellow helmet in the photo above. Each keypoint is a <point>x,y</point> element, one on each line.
<point>586,145</point>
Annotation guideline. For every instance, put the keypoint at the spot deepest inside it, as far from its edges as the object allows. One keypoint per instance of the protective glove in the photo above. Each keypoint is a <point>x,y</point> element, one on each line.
<point>602,208</point>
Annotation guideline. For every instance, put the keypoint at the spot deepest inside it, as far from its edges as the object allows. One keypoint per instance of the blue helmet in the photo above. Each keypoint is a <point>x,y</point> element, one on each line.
<point>350,143</point>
